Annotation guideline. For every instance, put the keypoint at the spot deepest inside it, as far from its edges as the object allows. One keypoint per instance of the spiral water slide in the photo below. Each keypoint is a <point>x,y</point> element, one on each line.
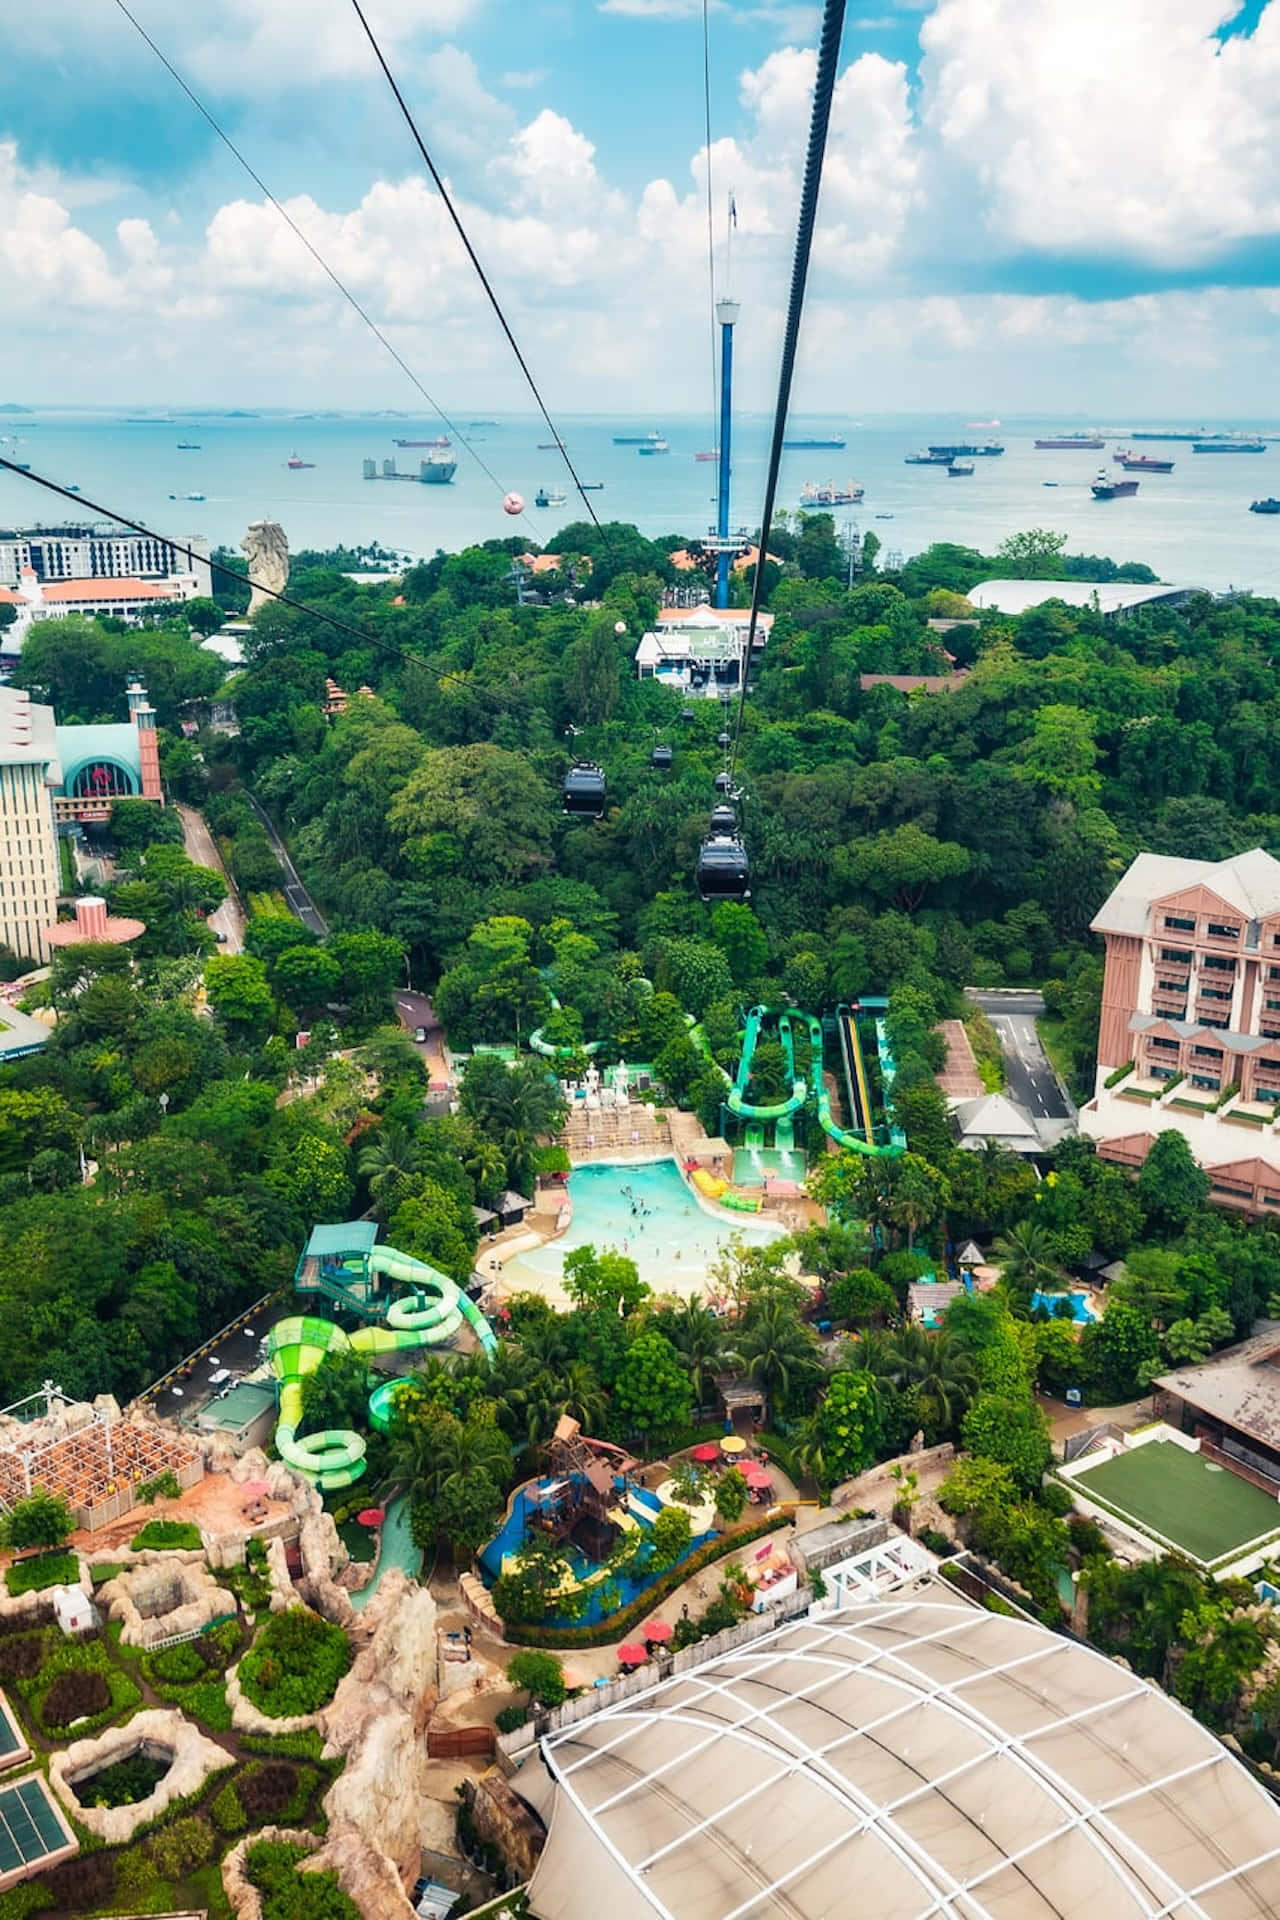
<point>427,1317</point>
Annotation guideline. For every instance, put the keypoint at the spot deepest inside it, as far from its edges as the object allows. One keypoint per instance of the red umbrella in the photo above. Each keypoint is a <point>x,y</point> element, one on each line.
<point>706,1453</point>
<point>371,1516</point>
<point>633,1655</point>
<point>656,1630</point>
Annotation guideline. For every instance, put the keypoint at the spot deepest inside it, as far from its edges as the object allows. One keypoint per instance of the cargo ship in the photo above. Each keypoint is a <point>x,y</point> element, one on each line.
<point>188,446</point>
<point>711,453</point>
<point>987,451</point>
<point>834,444</point>
<point>1071,443</point>
<point>441,440</point>
<point>830,495</point>
<point>960,469</point>
<point>634,439</point>
<point>926,458</point>
<point>1229,443</point>
<point>1141,463</point>
<point>437,470</point>
<point>1105,488</point>
<point>653,446</point>
<point>1264,506</point>
<point>296,463</point>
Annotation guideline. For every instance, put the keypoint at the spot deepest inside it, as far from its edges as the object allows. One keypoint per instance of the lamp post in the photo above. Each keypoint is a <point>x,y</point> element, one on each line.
<point>727,312</point>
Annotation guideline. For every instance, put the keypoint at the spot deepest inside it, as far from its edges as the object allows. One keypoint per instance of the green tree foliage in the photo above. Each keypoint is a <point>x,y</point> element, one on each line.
<point>539,1676</point>
<point>846,1427</point>
<point>1171,1187</point>
<point>336,1394</point>
<point>38,1519</point>
<point>731,1496</point>
<point>652,1391</point>
<point>1011,1432</point>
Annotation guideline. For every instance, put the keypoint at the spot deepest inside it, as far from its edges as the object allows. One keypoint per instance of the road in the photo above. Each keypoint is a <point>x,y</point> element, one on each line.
<point>415,1010</point>
<point>226,920</point>
<point>1032,1083</point>
<point>298,899</point>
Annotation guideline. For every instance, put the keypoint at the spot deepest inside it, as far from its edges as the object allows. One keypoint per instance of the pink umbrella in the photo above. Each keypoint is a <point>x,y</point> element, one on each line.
<point>633,1654</point>
<point>371,1516</point>
<point>254,1489</point>
<point>655,1631</point>
<point>755,1476</point>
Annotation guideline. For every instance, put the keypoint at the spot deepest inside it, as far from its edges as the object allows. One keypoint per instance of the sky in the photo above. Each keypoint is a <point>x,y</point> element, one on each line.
<point>1028,206</point>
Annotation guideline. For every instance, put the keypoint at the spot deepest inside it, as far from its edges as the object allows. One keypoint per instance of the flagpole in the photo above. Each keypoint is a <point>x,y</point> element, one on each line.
<point>731,222</point>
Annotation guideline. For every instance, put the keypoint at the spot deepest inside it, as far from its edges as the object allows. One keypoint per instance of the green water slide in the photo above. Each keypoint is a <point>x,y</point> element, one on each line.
<point>863,1140</point>
<point>782,1109</point>
<point>428,1316</point>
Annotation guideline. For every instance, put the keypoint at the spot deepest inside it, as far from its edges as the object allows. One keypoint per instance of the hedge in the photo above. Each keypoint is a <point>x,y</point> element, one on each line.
<point>295,1664</point>
<point>42,1570</point>
<point>1114,1079</point>
<point>61,1656</point>
<point>171,1534</point>
<point>618,1625</point>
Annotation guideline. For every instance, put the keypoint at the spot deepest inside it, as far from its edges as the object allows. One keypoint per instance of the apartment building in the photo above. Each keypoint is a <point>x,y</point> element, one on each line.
<point>100,551</point>
<point>29,774</point>
<point>1189,1035</point>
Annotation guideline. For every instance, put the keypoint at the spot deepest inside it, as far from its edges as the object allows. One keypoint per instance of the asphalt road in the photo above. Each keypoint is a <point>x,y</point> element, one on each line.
<point>1032,1082</point>
<point>298,899</point>
<point>226,920</point>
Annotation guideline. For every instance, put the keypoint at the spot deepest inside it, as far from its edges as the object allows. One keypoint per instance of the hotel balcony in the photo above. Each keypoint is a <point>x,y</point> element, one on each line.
<point>1220,942</point>
<point>1171,1001</point>
<point>1269,1023</point>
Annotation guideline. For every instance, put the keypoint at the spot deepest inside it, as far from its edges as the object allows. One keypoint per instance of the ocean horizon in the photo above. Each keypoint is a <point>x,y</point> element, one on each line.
<point>1192,526</point>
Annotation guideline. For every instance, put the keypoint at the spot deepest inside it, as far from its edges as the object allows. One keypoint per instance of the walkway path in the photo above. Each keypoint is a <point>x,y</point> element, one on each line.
<point>202,848</point>
<point>298,899</point>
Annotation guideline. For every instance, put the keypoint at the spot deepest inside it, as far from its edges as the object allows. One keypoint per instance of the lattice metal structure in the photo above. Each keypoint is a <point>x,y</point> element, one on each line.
<point>908,1758</point>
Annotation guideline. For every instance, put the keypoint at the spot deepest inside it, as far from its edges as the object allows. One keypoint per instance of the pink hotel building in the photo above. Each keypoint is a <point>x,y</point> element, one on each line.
<point>1190,1029</point>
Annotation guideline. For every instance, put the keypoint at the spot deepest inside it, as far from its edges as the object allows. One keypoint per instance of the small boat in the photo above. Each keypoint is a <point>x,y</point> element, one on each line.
<point>1071,443</point>
<point>1265,506</point>
<point>1105,488</point>
<point>884,516</point>
<point>75,489</point>
<point>549,497</point>
<point>960,469</point>
<point>196,496</point>
<point>926,459</point>
<point>1141,462</point>
<point>440,440</point>
<point>591,486</point>
<point>551,446</point>
<point>188,446</point>
<point>654,446</point>
<point>1048,483</point>
<point>712,453</point>
<point>830,495</point>
<point>296,464</point>
<point>474,425</point>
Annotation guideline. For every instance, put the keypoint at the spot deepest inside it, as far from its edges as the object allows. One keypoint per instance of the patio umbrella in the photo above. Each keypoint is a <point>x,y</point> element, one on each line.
<point>756,1475</point>
<point>705,1453</point>
<point>371,1516</point>
<point>633,1654</point>
<point>656,1631</point>
<point>733,1443</point>
<point>254,1489</point>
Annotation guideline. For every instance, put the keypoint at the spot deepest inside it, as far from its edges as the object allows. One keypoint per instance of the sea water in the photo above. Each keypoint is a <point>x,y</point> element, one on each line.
<point>1192,526</point>
<point>649,1214</point>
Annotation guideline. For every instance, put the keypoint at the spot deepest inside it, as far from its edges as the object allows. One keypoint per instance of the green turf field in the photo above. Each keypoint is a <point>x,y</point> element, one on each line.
<point>1206,1510</point>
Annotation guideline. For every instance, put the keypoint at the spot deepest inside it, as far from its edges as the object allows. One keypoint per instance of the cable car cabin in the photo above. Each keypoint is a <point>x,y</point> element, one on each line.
<point>686,713</point>
<point>583,792</point>
<point>724,872</point>
<point>724,820</point>
<point>723,740</point>
<point>661,757</point>
<point>724,783</point>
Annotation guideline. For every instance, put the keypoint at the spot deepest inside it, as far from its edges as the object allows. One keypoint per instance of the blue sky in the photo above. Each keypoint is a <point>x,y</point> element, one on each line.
<point>1032,202</point>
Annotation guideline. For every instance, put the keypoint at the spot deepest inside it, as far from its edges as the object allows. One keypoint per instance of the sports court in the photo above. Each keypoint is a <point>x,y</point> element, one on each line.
<point>1202,1508</point>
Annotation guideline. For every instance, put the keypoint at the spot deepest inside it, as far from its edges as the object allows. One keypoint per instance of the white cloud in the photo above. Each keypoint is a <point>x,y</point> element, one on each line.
<point>522,78</point>
<point>44,257</point>
<point>1109,125</point>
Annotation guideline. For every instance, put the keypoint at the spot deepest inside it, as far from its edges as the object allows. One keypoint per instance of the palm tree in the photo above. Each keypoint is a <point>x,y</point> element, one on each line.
<point>583,1397</point>
<point>700,1338</point>
<point>486,1168</point>
<point>1025,1254</point>
<point>935,1365</point>
<point>777,1349</point>
<point>390,1156</point>
<point>428,1458</point>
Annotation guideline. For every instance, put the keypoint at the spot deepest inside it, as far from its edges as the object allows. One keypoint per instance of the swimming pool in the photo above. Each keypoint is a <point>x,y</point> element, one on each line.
<point>1082,1311</point>
<point>646,1212</point>
<point>395,1550</point>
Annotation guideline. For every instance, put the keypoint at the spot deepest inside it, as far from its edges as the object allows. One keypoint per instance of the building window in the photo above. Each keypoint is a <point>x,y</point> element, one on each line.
<point>1222,932</point>
<point>1183,955</point>
<point>1179,924</point>
<point>1219,962</point>
<point>1161,1073</point>
<point>1213,1053</point>
<point>1167,1046</point>
<point>1215,993</point>
<point>1219,1026</point>
<point>1208,1081</point>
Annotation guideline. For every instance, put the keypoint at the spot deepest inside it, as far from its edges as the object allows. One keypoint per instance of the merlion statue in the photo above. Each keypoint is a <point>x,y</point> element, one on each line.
<point>268,551</point>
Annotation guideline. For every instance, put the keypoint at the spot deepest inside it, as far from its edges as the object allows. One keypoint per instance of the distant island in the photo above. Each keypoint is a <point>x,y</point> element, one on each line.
<point>11,406</point>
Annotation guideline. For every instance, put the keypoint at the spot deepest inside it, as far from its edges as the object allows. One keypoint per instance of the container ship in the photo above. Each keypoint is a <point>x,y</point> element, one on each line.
<point>830,495</point>
<point>1105,488</point>
<point>1141,463</point>
<point>988,450</point>
<point>834,443</point>
<point>1071,443</point>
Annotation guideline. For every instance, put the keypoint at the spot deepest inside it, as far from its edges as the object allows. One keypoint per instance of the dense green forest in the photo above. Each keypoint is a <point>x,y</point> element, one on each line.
<point>902,844</point>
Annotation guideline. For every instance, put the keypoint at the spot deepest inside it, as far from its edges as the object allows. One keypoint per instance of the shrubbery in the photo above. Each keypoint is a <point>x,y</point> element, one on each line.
<point>74,1696</point>
<point>42,1570</point>
<point>170,1534</point>
<point>295,1664</point>
<point>290,1895</point>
